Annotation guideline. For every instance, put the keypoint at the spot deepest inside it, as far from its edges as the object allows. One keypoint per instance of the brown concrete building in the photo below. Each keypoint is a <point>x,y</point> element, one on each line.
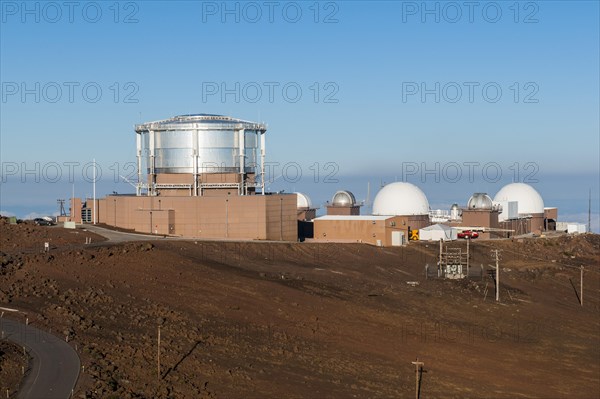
<point>398,208</point>
<point>370,229</point>
<point>343,210</point>
<point>551,213</point>
<point>306,215</point>
<point>522,225</point>
<point>486,218</point>
<point>550,218</point>
<point>260,217</point>
<point>479,214</point>
<point>268,217</point>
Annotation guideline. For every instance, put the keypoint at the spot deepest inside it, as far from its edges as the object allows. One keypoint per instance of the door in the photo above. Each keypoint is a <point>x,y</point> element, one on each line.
<point>397,238</point>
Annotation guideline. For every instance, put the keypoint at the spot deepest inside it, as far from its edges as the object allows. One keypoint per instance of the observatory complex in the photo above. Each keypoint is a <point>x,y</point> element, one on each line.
<point>198,177</point>
<point>202,176</point>
<point>398,209</point>
<point>401,213</point>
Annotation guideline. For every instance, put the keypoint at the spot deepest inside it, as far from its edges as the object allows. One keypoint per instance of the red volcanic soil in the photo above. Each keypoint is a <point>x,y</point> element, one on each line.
<point>13,362</point>
<point>306,320</point>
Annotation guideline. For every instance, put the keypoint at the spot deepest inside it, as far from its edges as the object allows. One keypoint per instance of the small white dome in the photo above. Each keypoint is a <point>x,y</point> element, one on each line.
<point>400,199</point>
<point>303,201</point>
<point>480,201</point>
<point>528,199</point>
<point>343,198</point>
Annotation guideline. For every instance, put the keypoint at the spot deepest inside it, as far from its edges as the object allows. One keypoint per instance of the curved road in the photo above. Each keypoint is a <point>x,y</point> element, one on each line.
<point>55,365</point>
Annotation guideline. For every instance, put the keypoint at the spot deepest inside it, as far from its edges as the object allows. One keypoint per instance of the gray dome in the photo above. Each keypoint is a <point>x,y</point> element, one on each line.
<point>480,201</point>
<point>343,198</point>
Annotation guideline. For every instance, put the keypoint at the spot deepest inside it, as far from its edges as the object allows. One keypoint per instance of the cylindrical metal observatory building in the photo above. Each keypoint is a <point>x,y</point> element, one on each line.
<point>188,154</point>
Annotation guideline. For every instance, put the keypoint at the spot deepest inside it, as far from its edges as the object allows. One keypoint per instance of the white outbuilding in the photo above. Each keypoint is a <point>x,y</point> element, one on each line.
<point>437,232</point>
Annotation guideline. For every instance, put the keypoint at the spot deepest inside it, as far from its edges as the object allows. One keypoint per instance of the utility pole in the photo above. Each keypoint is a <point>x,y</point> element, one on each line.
<point>496,255</point>
<point>581,286</point>
<point>61,205</point>
<point>440,271</point>
<point>281,219</point>
<point>94,191</point>
<point>418,366</point>
<point>468,240</point>
<point>589,214</point>
<point>72,209</point>
<point>158,355</point>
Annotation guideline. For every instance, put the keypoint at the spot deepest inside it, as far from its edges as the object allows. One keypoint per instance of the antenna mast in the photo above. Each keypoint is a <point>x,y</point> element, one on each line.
<point>590,212</point>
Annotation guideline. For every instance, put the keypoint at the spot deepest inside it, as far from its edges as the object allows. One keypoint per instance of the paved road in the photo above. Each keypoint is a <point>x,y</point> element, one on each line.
<point>55,365</point>
<point>118,236</point>
<point>114,236</point>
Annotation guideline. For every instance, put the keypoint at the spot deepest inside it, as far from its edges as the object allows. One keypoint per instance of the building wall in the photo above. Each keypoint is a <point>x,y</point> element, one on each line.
<point>306,214</point>
<point>550,218</point>
<point>76,205</point>
<point>414,222</point>
<point>343,210</point>
<point>524,225</point>
<point>268,217</point>
<point>367,231</point>
<point>537,223</point>
<point>551,213</point>
<point>481,218</point>
<point>281,217</point>
<point>519,226</point>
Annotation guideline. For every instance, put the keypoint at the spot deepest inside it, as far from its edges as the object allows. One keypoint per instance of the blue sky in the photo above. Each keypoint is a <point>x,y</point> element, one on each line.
<point>513,85</point>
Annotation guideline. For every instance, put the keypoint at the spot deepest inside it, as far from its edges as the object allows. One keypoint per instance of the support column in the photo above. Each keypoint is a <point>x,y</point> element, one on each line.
<point>151,189</point>
<point>195,163</point>
<point>95,208</point>
<point>242,152</point>
<point>262,160</point>
<point>138,187</point>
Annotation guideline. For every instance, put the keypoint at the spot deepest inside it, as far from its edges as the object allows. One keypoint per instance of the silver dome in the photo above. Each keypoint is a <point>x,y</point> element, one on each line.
<point>480,201</point>
<point>343,198</point>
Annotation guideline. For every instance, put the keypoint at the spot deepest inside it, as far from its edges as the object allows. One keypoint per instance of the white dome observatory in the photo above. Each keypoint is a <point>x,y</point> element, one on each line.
<point>528,199</point>
<point>303,201</point>
<point>455,212</point>
<point>400,199</point>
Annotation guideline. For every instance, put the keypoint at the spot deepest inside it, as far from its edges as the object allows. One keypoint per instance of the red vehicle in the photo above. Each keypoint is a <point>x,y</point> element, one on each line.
<point>468,234</point>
